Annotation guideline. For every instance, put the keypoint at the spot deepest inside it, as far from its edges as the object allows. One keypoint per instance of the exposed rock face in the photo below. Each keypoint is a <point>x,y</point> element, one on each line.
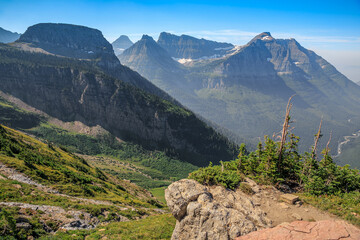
<point>185,46</point>
<point>121,44</point>
<point>155,63</point>
<point>322,230</point>
<point>68,40</point>
<point>7,36</point>
<point>87,44</point>
<point>211,213</point>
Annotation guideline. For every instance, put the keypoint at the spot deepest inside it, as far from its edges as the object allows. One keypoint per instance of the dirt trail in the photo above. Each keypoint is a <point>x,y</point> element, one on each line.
<point>268,199</point>
<point>13,174</point>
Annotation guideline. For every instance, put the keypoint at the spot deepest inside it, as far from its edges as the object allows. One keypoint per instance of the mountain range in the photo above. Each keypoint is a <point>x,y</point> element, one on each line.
<point>72,74</point>
<point>8,36</point>
<point>245,88</point>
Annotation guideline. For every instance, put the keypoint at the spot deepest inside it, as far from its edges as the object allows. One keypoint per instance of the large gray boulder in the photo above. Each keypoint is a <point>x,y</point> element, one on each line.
<point>212,212</point>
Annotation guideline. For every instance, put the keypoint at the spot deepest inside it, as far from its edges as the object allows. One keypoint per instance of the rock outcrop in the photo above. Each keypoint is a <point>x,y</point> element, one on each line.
<point>185,46</point>
<point>322,230</point>
<point>212,212</point>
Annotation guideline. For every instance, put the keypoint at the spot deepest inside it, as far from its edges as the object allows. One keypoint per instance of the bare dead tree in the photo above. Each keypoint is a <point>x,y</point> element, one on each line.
<point>318,135</point>
<point>285,128</point>
<point>327,149</point>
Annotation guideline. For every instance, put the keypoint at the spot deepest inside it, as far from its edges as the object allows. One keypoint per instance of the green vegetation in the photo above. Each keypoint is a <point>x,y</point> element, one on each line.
<point>267,165</point>
<point>161,168</point>
<point>60,169</point>
<point>344,205</point>
<point>8,227</point>
<point>153,227</point>
<point>15,117</point>
<point>159,193</point>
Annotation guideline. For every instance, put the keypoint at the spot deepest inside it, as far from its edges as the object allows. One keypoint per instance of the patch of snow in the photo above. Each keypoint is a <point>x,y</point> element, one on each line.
<point>307,77</point>
<point>225,48</point>
<point>90,52</point>
<point>266,38</point>
<point>183,60</point>
<point>323,66</point>
<point>296,63</point>
<point>268,59</point>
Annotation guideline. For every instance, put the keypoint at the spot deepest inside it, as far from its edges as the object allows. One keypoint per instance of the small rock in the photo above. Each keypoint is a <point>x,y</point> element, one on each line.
<point>289,198</point>
<point>17,186</point>
<point>284,206</point>
<point>284,188</point>
<point>101,230</point>
<point>296,216</point>
<point>306,210</point>
<point>24,225</point>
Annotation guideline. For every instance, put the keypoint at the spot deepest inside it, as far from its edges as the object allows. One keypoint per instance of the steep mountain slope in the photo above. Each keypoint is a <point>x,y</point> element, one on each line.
<point>73,90</point>
<point>358,83</point>
<point>121,44</point>
<point>155,63</point>
<point>246,91</point>
<point>185,46</point>
<point>7,36</point>
<point>45,188</point>
<point>84,43</point>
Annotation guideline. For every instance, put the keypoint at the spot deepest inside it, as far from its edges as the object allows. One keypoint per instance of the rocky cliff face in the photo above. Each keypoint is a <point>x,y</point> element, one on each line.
<point>121,44</point>
<point>74,91</point>
<point>68,40</point>
<point>84,43</point>
<point>7,36</point>
<point>185,46</point>
<point>212,212</point>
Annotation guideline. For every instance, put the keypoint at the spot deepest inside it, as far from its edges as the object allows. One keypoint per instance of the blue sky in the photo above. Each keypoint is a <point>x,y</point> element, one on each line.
<point>331,28</point>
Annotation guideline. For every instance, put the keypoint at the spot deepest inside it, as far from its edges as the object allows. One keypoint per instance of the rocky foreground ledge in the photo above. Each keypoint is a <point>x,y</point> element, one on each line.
<point>212,212</point>
<point>216,213</point>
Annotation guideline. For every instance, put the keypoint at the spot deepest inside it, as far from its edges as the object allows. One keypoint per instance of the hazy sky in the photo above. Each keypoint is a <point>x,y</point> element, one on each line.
<point>330,28</point>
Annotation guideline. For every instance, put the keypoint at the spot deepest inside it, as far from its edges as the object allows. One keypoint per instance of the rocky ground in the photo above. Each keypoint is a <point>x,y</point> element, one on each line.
<point>269,199</point>
<point>262,213</point>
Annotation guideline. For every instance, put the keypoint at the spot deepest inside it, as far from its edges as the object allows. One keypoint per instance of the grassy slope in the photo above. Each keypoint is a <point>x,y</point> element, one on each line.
<point>153,227</point>
<point>62,170</point>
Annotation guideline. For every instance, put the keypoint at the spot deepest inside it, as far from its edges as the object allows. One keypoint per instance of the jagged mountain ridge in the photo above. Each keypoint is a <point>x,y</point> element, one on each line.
<point>121,44</point>
<point>154,62</point>
<point>188,47</point>
<point>246,91</point>
<point>83,43</point>
<point>8,36</point>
